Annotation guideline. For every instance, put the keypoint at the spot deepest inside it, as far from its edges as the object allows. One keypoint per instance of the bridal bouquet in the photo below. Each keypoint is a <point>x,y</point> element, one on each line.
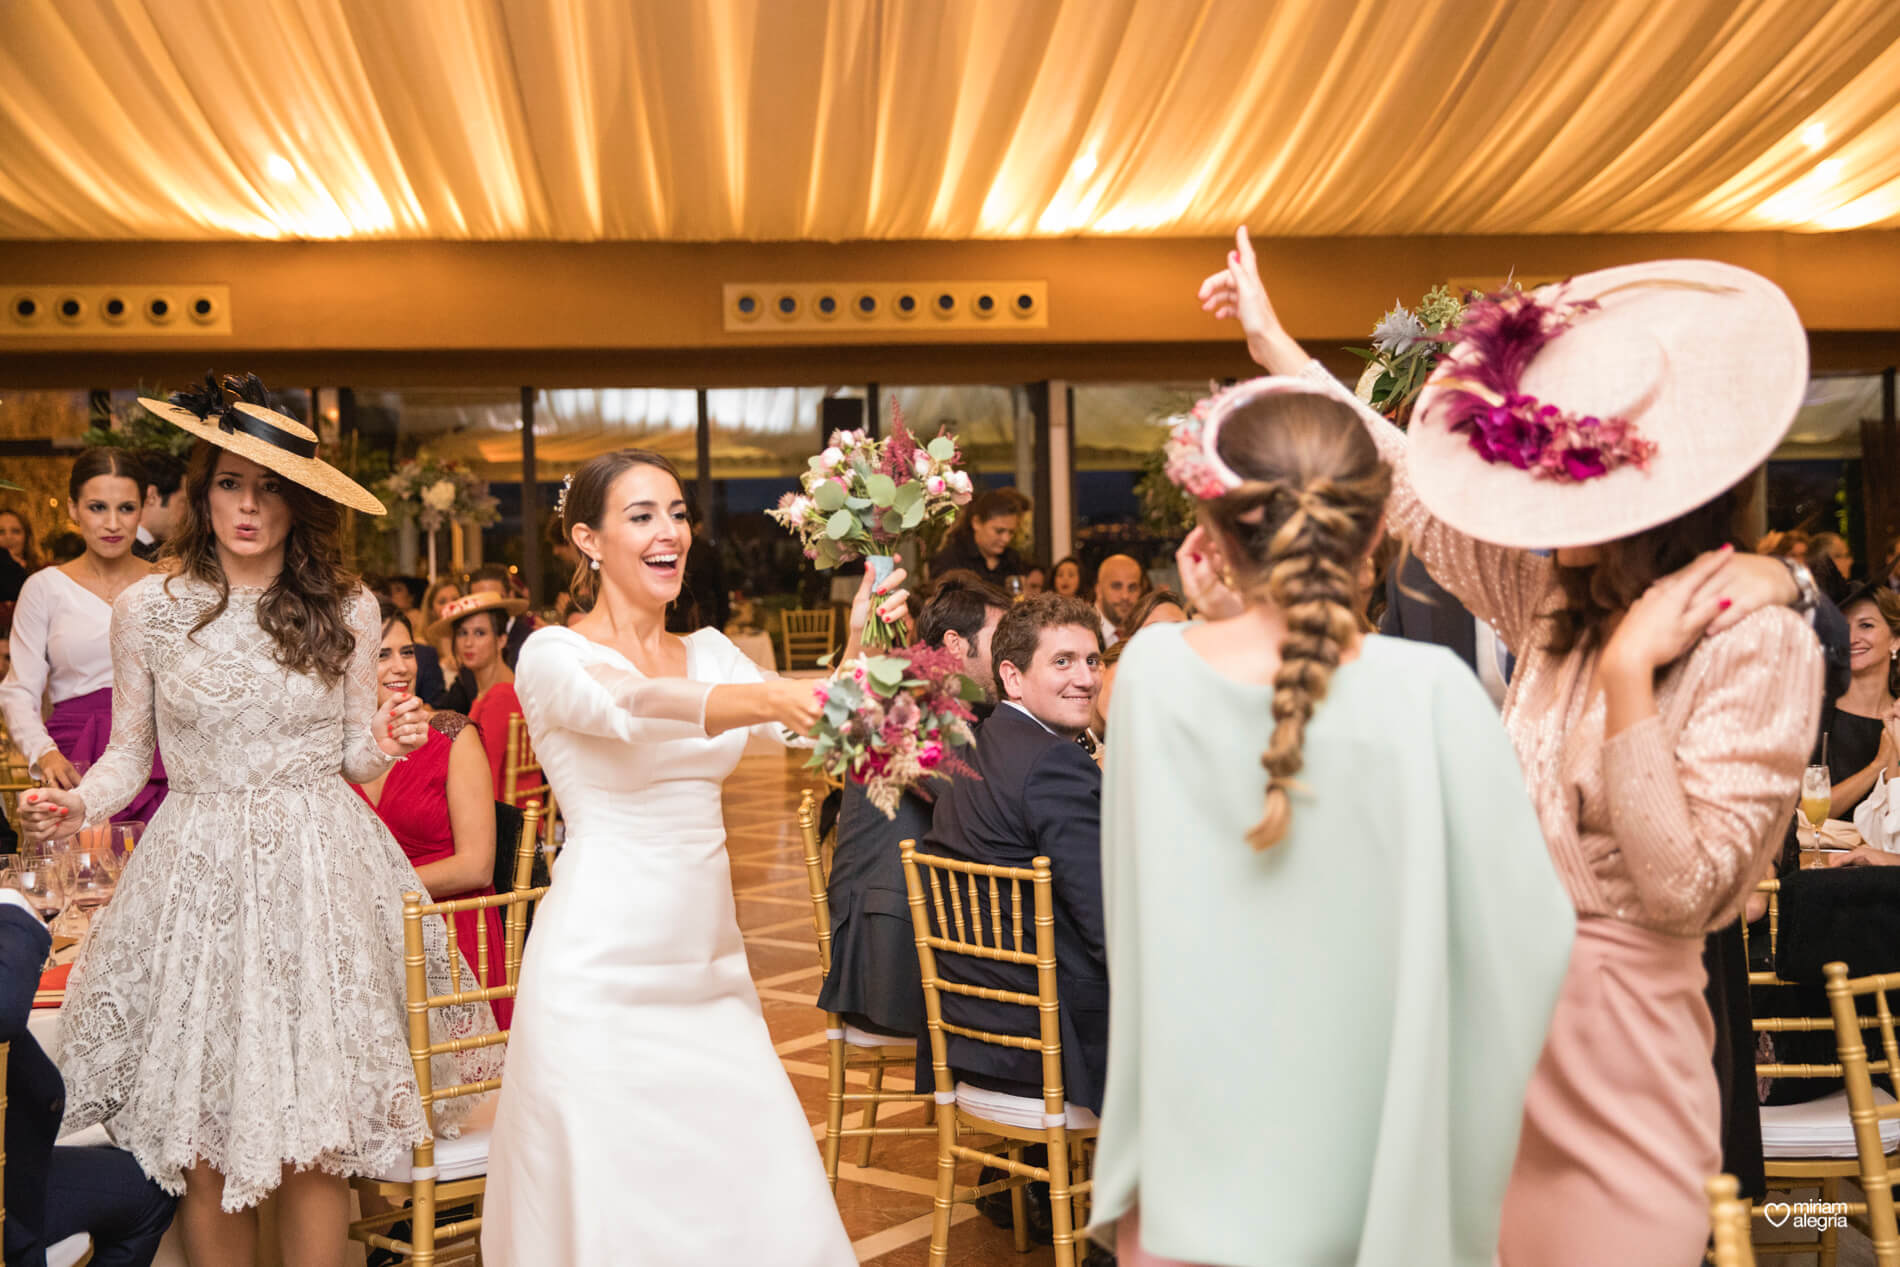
<point>891,722</point>
<point>861,497</point>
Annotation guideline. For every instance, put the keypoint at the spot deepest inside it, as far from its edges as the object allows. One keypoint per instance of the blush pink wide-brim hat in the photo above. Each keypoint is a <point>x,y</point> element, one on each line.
<point>1709,361</point>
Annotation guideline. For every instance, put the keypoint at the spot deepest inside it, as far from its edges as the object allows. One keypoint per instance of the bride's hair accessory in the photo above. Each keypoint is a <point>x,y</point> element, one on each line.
<point>560,502</point>
<point>1192,450</point>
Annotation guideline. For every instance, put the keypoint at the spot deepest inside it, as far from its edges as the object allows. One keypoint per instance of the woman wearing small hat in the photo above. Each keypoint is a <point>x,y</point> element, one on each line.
<point>477,627</point>
<point>1571,475</point>
<point>236,1018</point>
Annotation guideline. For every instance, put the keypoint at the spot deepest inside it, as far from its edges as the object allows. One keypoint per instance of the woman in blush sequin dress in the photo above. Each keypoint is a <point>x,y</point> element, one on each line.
<point>1664,698</point>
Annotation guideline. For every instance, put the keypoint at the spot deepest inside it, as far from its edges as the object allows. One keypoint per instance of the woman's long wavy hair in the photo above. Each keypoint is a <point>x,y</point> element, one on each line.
<point>1296,529</point>
<point>303,611</point>
<point>1596,594</point>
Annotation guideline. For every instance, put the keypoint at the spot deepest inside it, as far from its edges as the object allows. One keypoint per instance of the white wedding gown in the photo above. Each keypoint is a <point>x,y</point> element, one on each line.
<point>644,1117</point>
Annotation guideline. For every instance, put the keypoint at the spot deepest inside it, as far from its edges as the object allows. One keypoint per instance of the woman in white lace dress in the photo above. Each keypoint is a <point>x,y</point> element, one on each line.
<point>236,1018</point>
<point>646,1118</point>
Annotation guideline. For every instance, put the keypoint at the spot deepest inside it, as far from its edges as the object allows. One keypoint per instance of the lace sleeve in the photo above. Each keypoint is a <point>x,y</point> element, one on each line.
<point>1501,586</point>
<point>363,761</point>
<point>126,764</point>
<point>558,692</point>
<point>25,682</point>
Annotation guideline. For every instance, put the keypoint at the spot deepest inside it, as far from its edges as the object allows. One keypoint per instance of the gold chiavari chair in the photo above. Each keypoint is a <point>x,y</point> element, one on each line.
<point>1729,1224</point>
<point>517,789</point>
<point>806,634</point>
<point>6,1050</point>
<point>1014,1121</point>
<point>849,1049</point>
<point>456,1173</point>
<point>1813,1143</point>
<point>1867,1110</point>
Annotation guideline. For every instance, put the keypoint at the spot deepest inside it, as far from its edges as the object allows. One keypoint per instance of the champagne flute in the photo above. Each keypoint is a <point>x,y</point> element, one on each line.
<point>1817,797</point>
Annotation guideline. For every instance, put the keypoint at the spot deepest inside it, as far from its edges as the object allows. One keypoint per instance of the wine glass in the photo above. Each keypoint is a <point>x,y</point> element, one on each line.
<point>1817,796</point>
<point>1015,584</point>
<point>89,876</point>
<point>125,838</point>
<point>37,879</point>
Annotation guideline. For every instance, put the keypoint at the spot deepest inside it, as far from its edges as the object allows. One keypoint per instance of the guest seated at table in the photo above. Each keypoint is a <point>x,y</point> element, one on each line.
<point>16,539</point>
<point>485,686</point>
<point>1862,741</point>
<point>435,604</point>
<point>53,1193</point>
<point>1119,585</point>
<point>1160,607</point>
<point>495,579</point>
<point>439,805</point>
<point>873,982</point>
<point>1038,795</point>
<point>1067,580</point>
<point>1035,581</point>
<point>980,541</point>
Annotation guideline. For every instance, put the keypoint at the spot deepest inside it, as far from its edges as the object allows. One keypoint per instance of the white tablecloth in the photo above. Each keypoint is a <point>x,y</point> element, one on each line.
<point>757,646</point>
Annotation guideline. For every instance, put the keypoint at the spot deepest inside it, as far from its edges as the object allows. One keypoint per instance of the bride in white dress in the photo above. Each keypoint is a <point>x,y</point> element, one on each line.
<point>645,1117</point>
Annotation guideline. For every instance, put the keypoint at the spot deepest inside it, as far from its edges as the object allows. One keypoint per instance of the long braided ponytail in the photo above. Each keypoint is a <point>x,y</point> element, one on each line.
<point>1307,512</point>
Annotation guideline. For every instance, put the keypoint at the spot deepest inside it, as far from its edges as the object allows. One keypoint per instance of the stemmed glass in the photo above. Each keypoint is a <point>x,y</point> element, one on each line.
<point>90,877</point>
<point>38,880</point>
<point>1817,797</point>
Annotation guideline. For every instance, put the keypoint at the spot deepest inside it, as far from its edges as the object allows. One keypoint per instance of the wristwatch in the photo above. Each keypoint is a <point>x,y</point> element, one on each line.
<point>1809,595</point>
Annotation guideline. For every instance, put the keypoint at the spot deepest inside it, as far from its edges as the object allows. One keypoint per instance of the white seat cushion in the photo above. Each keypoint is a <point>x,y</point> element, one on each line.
<point>69,1251</point>
<point>1018,1110</point>
<point>463,1157</point>
<point>1819,1128</point>
<point>855,1037</point>
<point>93,1136</point>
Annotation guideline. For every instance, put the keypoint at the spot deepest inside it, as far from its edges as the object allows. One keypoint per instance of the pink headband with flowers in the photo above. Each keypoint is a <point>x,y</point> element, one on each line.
<point>1192,449</point>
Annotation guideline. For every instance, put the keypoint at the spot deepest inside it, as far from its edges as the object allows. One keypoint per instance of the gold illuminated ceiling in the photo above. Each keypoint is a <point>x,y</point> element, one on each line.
<point>849,119</point>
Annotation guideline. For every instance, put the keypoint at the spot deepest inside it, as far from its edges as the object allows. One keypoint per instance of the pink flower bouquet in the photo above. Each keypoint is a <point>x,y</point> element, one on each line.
<point>861,497</point>
<point>892,722</point>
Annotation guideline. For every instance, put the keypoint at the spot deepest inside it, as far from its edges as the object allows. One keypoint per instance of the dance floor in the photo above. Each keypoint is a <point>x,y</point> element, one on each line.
<point>886,1206</point>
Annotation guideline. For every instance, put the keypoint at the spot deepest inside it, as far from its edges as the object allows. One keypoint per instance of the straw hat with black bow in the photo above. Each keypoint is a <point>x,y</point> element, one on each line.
<point>229,413</point>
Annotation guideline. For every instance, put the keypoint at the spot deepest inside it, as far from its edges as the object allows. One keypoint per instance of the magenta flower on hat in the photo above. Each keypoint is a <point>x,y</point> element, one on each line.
<point>1498,338</point>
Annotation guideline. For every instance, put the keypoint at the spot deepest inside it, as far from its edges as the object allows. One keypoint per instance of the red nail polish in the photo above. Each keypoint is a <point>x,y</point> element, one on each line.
<point>1728,548</point>
<point>1725,604</point>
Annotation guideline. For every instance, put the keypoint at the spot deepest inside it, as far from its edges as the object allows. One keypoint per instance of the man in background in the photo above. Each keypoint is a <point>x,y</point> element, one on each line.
<point>164,476</point>
<point>1119,584</point>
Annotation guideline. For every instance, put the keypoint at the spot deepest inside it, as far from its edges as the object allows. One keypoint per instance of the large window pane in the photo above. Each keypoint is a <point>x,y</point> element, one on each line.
<point>1118,431</point>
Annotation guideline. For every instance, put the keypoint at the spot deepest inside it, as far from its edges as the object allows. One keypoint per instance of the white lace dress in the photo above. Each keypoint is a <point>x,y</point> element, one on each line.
<point>240,1000</point>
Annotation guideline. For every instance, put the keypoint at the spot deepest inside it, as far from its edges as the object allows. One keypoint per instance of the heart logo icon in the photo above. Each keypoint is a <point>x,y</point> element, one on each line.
<point>1777,1212</point>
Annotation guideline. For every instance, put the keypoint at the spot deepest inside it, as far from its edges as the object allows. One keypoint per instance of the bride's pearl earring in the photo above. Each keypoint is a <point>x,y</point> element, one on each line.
<point>594,563</point>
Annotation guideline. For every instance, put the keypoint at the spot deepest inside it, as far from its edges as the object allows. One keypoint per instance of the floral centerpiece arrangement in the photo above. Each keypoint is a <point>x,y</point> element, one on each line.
<point>893,722</point>
<point>1406,345</point>
<point>862,497</point>
<point>429,493</point>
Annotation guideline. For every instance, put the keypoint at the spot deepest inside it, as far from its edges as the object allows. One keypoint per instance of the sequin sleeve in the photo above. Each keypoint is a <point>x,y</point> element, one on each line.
<point>1693,821</point>
<point>1503,587</point>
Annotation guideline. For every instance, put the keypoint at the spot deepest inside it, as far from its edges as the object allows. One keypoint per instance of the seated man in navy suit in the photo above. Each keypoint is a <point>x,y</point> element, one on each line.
<point>53,1193</point>
<point>1039,794</point>
<point>874,982</point>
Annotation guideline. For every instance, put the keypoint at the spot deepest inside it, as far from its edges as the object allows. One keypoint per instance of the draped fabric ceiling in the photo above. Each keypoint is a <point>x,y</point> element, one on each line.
<point>701,120</point>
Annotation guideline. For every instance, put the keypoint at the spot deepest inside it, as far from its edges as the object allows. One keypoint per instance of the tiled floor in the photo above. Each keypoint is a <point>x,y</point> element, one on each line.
<point>886,1207</point>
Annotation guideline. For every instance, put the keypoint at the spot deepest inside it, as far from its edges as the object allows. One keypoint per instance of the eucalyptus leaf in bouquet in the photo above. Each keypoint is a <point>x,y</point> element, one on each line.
<point>893,722</point>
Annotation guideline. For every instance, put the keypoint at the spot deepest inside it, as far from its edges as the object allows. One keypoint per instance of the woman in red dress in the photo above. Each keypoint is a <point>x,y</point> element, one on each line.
<point>485,687</point>
<point>439,806</point>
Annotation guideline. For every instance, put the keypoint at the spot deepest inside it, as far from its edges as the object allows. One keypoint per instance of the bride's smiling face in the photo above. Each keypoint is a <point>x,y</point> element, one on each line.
<point>643,535</point>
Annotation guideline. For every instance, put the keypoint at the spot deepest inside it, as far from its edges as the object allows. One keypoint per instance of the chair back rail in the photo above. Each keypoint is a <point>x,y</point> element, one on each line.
<point>1876,1180</point>
<point>807,634</point>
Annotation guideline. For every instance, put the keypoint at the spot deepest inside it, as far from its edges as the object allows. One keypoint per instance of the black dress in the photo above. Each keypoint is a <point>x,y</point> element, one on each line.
<point>1853,742</point>
<point>962,553</point>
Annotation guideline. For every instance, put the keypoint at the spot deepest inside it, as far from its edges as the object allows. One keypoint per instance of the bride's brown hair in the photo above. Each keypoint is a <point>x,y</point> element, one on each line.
<point>584,501</point>
<point>1307,511</point>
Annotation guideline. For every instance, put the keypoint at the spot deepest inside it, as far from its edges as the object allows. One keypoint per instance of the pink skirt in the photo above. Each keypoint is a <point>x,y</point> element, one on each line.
<point>1622,1119</point>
